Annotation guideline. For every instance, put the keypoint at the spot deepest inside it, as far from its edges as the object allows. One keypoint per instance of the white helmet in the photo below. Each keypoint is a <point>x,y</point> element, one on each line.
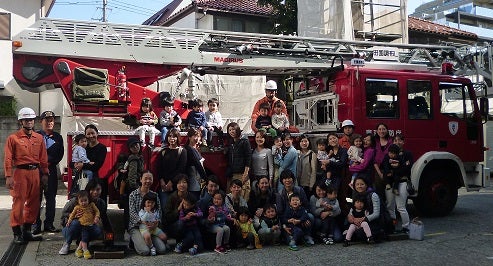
<point>26,113</point>
<point>347,122</point>
<point>271,85</point>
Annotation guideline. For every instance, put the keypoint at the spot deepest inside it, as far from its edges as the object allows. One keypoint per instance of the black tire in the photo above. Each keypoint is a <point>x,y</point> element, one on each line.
<point>437,194</point>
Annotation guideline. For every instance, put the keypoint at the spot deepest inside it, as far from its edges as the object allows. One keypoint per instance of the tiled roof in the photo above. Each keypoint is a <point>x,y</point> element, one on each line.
<point>240,6</point>
<point>426,26</point>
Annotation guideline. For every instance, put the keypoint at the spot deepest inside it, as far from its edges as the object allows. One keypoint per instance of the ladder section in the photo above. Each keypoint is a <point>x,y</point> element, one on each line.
<point>217,52</point>
<point>316,112</point>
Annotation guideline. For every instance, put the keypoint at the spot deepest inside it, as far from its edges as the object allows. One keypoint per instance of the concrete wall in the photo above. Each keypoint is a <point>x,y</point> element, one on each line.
<point>8,125</point>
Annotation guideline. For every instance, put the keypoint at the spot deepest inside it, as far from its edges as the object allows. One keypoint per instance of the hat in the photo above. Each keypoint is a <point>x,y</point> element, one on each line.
<point>271,85</point>
<point>131,141</point>
<point>46,114</point>
<point>346,123</point>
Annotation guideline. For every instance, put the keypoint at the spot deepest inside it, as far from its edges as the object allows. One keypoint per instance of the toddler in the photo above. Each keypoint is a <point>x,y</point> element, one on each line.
<point>150,213</point>
<point>196,119</point>
<point>79,155</point>
<point>355,154</point>
<point>190,215</point>
<point>218,215</point>
<point>246,231</point>
<point>393,169</point>
<point>328,208</point>
<point>322,156</point>
<point>358,211</point>
<point>269,226</point>
<point>264,121</point>
<point>214,122</point>
<point>88,221</point>
<point>147,119</point>
<point>280,121</point>
<point>296,223</point>
<point>276,151</point>
<point>169,119</point>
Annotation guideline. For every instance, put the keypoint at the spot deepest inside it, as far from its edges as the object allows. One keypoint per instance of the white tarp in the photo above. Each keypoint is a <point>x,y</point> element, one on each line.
<point>237,95</point>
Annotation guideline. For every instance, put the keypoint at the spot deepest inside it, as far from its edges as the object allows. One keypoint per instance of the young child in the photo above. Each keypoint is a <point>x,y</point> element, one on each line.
<point>150,213</point>
<point>322,155</point>
<point>296,223</point>
<point>264,121</point>
<point>358,211</point>
<point>88,221</point>
<point>218,215</point>
<point>280,121</point>
<point>355,154</point>
<point>196,119</point>
<point>147,119</point>
<point>214,122</point>
<point>393,168</point>
<point>326,206</point>
<point>276,150</point>
<point>169,119</point>
<point>269,228</point>
<point>246,232</point>
<point>79,156</point>
<point>190,215</point>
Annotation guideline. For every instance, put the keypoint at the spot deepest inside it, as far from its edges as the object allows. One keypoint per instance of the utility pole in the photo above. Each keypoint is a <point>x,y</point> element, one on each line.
<point>105,2</point>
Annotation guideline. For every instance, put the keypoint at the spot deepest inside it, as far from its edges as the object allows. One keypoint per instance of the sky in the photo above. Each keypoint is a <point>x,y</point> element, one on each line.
<point>128,11</point>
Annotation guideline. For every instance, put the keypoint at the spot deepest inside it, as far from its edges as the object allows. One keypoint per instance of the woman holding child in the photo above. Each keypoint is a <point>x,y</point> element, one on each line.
<point>372,205</point>
<point>135,201</point>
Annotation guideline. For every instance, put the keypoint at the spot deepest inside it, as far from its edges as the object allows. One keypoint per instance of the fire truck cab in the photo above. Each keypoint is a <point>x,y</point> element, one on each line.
<point>326,81</point>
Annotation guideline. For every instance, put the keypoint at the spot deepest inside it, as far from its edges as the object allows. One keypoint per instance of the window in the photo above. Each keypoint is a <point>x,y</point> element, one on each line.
<point>5,22</point>
<point>455,101</point>
<point>382,98</point>
<point>418,100</point>
<point>241,24</point>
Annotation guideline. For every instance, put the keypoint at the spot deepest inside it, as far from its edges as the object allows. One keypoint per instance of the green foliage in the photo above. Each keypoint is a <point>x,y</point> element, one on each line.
<point>7,106</point>
<point>285,17</point>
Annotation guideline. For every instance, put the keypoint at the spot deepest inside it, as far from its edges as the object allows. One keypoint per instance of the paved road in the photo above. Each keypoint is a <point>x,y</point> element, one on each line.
<point>463,238</point>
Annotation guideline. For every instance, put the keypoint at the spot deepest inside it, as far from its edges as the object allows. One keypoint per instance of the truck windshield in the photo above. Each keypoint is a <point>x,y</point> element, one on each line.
<point>455,100</point>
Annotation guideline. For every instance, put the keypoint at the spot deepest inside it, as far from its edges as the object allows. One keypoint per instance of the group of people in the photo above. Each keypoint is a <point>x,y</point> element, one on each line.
<point>275,193</point>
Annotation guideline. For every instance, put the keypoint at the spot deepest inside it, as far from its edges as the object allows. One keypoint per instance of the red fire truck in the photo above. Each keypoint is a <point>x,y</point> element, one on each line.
<point>413,89</point>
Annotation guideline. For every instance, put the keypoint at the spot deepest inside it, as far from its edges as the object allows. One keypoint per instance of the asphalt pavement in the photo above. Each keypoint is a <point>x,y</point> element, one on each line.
<point>462,238</point>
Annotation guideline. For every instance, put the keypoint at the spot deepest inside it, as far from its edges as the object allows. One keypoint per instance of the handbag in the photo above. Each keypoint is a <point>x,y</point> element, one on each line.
<point>416,229</point>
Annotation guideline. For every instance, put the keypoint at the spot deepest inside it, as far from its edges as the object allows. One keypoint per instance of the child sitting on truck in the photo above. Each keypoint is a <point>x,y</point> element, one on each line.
<point>214,122</point>
<point>264,121</point>
<point>169,119</point>
<point>196,119</point>
<point>280,120</point>
<point>147,119</point>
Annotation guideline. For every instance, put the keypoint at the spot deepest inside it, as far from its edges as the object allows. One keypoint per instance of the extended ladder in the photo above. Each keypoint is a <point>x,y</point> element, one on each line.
<point>213,52</point>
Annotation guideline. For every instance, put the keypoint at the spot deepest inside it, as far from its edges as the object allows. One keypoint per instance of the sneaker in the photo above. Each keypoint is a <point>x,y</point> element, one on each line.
<point>219,250</point>
<point>249,247</point>
<point>293,246</point>
<point>370,240</point>
<point>346,243</point>
<point>50,229</point>
<point>193,251</point>
<point>79,253</point>
<point>405,230</point>
<point>153,251</point>
<point>64,250</point>
<point>87,254</point>
<point>309,240</point>
<point>178,247</point>
<point>227,247</point>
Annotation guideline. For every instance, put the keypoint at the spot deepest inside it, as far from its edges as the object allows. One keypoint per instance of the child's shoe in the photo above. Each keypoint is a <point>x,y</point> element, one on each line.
<point>309,240</point>
<point>79,253</point>
<point>346,243</point>
<point>387,187</point>
<point>250,247</point>
<point>370,240</point>
<point>178,247</point>
<point>395,191</point>
<point>153,251</point>
<point>328,241</point>
<point>219,250</point>
<point>293,246</point>
<point>87,254</point>
<point>193,251</point>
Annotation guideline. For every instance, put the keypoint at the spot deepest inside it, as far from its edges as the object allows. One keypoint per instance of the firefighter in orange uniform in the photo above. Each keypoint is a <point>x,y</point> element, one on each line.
<point>25,160</point>
<point>270,98</point>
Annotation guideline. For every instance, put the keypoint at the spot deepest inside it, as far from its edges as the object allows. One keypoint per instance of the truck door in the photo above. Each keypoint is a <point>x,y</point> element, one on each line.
<point>458,127</point>
<point>417,112</point>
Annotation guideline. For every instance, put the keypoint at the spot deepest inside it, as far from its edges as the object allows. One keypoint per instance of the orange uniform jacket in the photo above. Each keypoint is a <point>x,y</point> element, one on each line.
<point>20,149</point>
<point>256,109</point>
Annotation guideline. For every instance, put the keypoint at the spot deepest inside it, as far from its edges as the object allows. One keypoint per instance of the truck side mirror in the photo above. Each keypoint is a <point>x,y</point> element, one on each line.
<point>484,107</point>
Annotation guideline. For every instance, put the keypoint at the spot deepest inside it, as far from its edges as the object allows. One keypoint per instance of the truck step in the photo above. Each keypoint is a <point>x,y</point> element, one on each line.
<point>100,108</point>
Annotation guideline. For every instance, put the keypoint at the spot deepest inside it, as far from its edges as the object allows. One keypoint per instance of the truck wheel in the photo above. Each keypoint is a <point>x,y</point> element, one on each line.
<point>437,194</point>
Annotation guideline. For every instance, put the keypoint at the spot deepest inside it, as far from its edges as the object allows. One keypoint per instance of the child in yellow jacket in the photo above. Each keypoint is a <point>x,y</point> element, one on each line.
<point>246,233</point>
